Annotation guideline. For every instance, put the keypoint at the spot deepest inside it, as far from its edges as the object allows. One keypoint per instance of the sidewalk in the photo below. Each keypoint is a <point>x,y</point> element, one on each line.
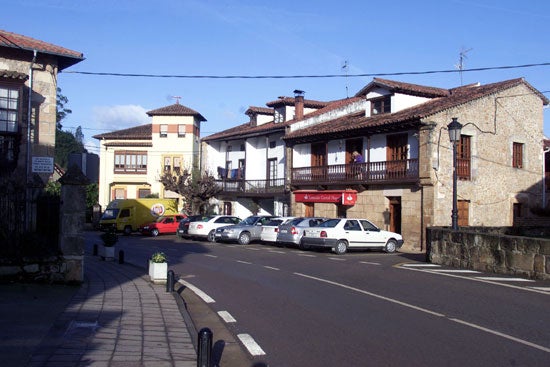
<point>116,318</point>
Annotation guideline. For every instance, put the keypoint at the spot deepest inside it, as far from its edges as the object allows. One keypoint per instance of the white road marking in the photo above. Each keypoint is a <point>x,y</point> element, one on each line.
<point>214,256</point>
<point>336,259</point>
<point>205,297</point>
<point>306,255</point>
<point>271,267</point>
<point>421,265</point>
<point>464,271</point>
<point>545,289</point>
<point>505,279</point>
<point>276,252</point>
<point>226,316</point>
<point>244,262</point>
<point>252,248</point>
<point>392,300</point>
<point>251,345</point>
<point>369,263</point>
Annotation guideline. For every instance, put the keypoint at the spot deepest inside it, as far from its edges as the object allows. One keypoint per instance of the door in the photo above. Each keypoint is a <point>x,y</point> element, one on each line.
<point>353,170</point>
<point>395,214</point>
<point>318,161</point>
<point>309,209</point>
<point>396,156</point>
<point>272,172</point>
<point>463,207</point>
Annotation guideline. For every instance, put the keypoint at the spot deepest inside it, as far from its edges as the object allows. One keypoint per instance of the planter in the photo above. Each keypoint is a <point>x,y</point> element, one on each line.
<point>107,253</point>
<point>158,272</point>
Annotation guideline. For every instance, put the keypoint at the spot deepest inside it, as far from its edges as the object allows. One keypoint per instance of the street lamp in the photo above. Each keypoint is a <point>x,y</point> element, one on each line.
<point>454,128</point>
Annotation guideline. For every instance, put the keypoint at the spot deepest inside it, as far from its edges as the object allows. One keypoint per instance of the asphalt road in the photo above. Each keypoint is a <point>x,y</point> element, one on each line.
<point>314,308</point>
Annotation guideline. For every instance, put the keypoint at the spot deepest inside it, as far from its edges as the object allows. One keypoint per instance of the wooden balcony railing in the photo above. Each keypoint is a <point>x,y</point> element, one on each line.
<point>275,186</point>
<point>359,173</point>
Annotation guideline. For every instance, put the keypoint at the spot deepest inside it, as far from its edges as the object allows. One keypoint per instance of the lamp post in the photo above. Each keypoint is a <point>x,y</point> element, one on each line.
<point>454,128</point>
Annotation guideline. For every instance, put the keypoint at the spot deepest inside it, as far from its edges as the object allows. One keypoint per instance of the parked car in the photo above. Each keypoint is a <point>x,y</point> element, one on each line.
<point>342,234</point>
<point>291,232</point>
<point>271,228</point>
<point>183,226</point>
<point>163,224</point>
<point>244,232</point>
<point>206,227</point>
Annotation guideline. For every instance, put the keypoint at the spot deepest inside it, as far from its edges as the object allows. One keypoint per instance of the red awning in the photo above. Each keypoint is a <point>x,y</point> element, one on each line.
<point>344,197</point>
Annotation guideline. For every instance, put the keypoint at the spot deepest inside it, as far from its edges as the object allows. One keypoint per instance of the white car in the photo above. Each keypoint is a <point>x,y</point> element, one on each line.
<point>290,233</point>
<point>271,229</point>
<point>206,228</point>
<point>342,234</point>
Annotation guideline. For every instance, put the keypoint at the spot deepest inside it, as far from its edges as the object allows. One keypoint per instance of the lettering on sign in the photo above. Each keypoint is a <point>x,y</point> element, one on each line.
<point>42,164</point>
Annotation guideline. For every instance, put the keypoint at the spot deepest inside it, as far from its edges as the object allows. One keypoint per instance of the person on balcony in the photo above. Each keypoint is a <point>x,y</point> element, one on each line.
<point>357,158</point>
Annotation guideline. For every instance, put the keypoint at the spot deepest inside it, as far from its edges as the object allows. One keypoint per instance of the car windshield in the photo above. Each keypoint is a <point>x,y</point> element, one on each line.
<point>206,219</point>
<point>110,214</point>
<point>331,223</point>
<point>160,219</point>
<point>274,223</point>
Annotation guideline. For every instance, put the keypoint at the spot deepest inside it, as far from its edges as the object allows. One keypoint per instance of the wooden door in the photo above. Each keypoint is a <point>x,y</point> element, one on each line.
<point>463,207</point>
<point>318,161</point>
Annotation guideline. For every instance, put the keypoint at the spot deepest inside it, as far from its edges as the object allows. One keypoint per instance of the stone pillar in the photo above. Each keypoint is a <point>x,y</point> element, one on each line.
<point>72,220</point>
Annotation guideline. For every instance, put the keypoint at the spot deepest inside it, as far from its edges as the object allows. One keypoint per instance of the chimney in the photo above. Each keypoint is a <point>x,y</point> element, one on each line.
<point>298,104</point>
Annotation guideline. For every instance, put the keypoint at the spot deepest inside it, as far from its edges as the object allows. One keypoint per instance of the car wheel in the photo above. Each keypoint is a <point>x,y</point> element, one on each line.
<point>244,238</point>
<point>341,247</point>
<point>154,232</point>
<point>302,246</point>
<point>211,236</point>
<point>127,230</point>
<point>391,246</point>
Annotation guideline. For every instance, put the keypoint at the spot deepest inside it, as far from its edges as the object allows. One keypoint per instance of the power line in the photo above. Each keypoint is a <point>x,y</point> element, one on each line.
<point>304,76</point>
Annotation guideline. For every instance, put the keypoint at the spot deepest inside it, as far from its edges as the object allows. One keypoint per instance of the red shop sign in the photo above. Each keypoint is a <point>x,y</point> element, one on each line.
<point>346,197</point>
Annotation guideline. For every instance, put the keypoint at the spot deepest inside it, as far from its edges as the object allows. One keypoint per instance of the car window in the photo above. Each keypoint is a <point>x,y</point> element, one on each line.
<point>352,225</point>
<point>235,220</point>
<point>331,223</point>
<point>169,220</point>
<point>368,226</point>
<point>314,222</point>
<point>273,222</point>
<point>249,221</point>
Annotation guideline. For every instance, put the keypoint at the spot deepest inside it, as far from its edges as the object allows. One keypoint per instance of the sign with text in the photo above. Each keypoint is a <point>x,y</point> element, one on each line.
<point>42,164</point>
<point>346,197</point>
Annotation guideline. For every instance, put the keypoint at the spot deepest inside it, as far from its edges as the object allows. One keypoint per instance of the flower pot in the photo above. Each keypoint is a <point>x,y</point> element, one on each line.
<point>158,272</point>
<point>107,253</point>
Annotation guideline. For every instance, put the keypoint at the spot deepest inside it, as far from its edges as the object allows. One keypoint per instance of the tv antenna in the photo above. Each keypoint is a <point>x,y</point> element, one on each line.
<point>345,67</point>
<point>177,98</point>
<point>461,57</point>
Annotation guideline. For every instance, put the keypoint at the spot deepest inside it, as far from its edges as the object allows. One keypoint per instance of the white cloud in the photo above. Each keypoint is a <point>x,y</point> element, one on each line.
<point>111,118</point>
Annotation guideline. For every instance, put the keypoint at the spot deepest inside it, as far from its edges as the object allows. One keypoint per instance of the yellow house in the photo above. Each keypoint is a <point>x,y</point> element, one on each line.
<point>132,160</point>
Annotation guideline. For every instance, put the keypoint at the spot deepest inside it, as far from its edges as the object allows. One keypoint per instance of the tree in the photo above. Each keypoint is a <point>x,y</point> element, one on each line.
<point>65,144</point>
<point>60,111</point>
<point>196,189</point>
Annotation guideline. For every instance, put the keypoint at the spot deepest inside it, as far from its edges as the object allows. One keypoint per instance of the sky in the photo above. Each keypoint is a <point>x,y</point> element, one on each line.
<point>273,38</point>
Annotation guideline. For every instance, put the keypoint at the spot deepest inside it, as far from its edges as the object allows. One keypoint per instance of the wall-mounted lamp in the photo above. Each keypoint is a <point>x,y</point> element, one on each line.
<point>455,129</point>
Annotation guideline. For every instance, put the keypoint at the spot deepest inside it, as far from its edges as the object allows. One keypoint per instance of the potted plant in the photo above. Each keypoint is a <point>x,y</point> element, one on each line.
<point>158,268</point>
<point>107,249</point>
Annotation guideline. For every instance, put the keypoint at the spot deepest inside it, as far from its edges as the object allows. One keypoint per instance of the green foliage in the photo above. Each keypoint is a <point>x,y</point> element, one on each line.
<point>53,188</point>
<point>65,144</point>
<point>159,257</point>
<point>196,189</point>
<point>60,111</point>
<point>152,196</point>
<point>92,195</point>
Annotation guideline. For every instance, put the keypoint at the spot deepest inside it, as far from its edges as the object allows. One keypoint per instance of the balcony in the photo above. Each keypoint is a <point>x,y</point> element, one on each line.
<point>357,173</point>
<point>252,187</point>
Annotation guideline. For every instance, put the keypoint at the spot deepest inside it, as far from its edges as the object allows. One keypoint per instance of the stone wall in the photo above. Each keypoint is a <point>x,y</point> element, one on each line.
<point>491,250</point>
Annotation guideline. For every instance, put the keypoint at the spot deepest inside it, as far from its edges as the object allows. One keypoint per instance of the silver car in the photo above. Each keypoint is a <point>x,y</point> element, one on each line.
<point>244,232</point>
<point>291,233</point>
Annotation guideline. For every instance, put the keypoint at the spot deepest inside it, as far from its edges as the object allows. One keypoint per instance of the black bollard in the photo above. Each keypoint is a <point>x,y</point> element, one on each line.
<point>170,281</point>
<point>121,257</point>
<point>205,348</point>
<point>95,249</point>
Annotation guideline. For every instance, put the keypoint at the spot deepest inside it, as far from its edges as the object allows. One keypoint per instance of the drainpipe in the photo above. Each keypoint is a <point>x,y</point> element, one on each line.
<point>544,176</point>
<point>28,191</point>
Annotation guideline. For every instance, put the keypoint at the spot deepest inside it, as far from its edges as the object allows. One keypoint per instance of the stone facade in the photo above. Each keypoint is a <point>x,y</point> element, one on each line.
<point>490,252</point>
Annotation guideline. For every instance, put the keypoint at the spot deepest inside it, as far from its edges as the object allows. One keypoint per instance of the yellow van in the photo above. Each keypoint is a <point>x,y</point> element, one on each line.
<point>127,215</point>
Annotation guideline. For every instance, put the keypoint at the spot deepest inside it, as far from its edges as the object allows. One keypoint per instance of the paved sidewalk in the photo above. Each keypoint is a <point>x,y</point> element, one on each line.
<point>116,318</point>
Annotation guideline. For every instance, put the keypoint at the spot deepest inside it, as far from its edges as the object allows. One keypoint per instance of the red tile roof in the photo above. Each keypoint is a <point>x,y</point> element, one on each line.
<point>141,132</point>
<point>8,74</point>
<point>175,110</point>
<point>259,110</point>
<point>401,87</point>
<point>289,101</point>
<point>455,97</point>
<point>65,56</point>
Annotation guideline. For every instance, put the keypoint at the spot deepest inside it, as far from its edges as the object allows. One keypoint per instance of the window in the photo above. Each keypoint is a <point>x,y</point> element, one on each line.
<point>143,193</point>
<point>119,193</point>
<point>272,144</point>
<point>167,164</point>
<point>181,131</point>
<point>9,109</point>
<point>380,105</point>
<point>177,164</point>
<point>242,147</point>
<point>463,158</point>
<point>517,155</point>
<point>163,131</point>
<point>130,162</point>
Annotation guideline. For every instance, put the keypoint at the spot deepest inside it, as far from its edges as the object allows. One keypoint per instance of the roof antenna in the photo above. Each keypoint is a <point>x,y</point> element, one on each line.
<point>461,58</point>
<point>345,67</point>
<point>177,98</point>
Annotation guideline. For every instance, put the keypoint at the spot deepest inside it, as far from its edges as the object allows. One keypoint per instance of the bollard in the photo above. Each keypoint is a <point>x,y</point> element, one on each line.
<point>205,348</point>
<point>95,249</point>
<point>121,257</point>
<point>170,281</point>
